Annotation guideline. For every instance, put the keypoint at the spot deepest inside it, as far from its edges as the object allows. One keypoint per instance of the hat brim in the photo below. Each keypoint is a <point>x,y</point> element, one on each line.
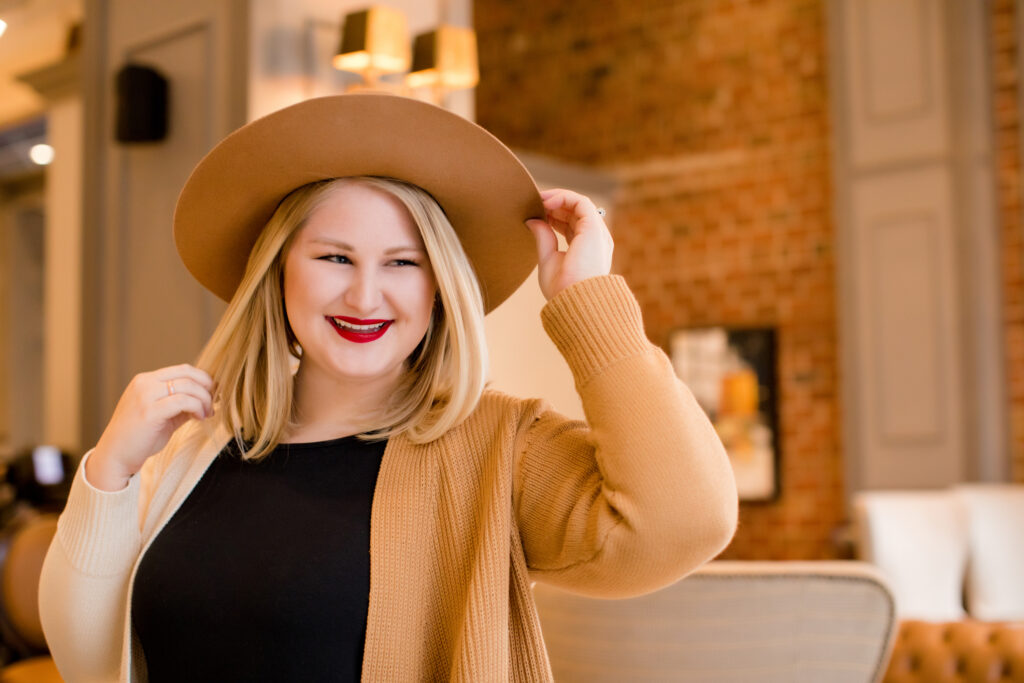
<point>483,188</point>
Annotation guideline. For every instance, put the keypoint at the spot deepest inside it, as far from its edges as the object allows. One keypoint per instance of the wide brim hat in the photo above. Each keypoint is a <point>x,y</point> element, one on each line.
<point>485,191</point>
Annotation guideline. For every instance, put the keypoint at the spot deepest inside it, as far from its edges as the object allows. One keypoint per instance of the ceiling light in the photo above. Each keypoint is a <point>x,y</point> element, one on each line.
<point>3,26</point>
<point>41,154</point>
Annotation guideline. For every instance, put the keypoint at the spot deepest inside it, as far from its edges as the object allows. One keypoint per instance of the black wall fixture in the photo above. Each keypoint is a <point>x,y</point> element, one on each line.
<point>142,102</point>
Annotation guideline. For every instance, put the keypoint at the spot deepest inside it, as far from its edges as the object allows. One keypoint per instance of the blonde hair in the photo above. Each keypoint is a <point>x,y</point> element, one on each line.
<point>251,352</point>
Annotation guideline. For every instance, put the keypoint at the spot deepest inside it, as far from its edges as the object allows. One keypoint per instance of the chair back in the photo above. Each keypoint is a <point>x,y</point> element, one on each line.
<point>790,622</point>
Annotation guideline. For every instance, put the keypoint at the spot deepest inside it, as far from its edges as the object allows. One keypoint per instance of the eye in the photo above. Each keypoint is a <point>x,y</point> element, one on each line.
<point>334,258</point>
<point>404,262</point>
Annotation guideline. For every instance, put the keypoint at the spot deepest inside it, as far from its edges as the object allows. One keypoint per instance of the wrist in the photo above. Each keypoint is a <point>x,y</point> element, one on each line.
<point>103,473</point>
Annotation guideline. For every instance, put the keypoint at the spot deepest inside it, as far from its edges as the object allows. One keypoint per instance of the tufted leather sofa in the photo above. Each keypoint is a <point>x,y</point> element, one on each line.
<point>967,651</point>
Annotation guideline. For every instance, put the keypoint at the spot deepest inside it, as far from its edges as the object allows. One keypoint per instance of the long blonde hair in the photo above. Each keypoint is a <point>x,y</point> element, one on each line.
<point>252,351</point>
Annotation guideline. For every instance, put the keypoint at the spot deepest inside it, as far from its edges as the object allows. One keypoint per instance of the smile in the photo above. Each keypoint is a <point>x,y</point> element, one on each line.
<point>359,331</point>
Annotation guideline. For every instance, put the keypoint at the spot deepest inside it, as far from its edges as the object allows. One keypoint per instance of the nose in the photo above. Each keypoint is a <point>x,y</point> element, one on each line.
<point>363,294</point>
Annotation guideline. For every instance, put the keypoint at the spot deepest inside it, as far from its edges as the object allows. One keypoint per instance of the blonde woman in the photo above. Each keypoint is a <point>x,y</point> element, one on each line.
<point>330,492</point>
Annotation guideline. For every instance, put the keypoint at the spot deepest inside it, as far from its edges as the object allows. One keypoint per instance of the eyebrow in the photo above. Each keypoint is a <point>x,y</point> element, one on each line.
<point>348,247</point>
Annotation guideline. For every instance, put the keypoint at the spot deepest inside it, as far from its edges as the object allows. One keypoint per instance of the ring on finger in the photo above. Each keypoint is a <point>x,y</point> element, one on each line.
<point>170,387</point>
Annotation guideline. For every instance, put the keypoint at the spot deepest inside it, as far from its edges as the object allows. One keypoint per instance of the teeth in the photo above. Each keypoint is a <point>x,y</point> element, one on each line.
<point>358,328</point>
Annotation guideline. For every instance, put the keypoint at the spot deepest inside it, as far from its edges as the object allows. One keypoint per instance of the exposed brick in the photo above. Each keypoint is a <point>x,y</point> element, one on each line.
<point>714,114</point>
<point>1007,167</point>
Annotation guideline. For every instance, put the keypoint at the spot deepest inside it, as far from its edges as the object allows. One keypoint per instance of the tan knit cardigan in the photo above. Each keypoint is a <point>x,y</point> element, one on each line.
<point>624,503</point>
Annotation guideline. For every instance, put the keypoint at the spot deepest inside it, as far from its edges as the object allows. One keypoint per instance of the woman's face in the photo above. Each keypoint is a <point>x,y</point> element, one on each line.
<point>358,287</point>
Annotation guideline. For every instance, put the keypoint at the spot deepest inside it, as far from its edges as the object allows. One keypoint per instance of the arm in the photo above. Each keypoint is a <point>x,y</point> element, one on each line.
<point>643,492</point>
<point>84,580</point>
<point>83,586</point>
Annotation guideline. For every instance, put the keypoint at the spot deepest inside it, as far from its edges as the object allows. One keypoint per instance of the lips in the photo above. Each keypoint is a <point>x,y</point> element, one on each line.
<point>359,330</point>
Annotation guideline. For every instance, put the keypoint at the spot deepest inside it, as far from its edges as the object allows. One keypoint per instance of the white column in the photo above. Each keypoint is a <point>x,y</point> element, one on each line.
<point>62,299</point>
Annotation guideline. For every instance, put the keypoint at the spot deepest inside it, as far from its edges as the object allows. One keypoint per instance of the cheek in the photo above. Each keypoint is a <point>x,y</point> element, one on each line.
<point>292,286</point>
<point>430,292</point>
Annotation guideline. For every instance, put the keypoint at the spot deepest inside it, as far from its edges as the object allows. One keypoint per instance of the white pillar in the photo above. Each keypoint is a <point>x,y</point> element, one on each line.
<point>59,84</point>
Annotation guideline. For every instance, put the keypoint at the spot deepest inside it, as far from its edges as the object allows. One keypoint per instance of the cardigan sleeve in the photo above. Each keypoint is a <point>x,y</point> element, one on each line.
<point>642,492</point>
<point>83,585</point>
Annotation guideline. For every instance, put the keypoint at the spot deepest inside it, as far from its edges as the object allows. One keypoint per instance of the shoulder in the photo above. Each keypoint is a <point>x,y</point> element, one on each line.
<point>509,408</point>
<point>497,415</point>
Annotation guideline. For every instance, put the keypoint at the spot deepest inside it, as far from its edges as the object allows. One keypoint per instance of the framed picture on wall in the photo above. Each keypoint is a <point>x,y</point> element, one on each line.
<point>732,373</point>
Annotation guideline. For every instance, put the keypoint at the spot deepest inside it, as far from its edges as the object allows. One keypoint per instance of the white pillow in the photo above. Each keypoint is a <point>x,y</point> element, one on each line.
<point>919,540</point>
<point>995,571</point>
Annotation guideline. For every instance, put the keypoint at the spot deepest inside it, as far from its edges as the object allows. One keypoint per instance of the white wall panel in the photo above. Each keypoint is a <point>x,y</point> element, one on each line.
<point>167,316</point>
<point>923,397</point>
<point>905,318</point>
<point>908,343</point>
<point>895,56</point>
<point>143,308</point>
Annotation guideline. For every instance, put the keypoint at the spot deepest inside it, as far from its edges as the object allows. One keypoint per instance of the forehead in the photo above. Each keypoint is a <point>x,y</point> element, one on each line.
<point>361,215</point>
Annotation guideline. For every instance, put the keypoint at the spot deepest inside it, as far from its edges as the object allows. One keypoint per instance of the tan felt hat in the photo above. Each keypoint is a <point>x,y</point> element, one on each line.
<point>484,189</point>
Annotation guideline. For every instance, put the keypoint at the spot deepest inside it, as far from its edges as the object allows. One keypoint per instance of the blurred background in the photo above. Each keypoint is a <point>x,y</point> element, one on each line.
<point>841,176</point>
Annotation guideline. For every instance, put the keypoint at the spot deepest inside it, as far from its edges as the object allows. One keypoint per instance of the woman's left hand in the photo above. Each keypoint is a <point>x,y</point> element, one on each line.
<point>590,246</point>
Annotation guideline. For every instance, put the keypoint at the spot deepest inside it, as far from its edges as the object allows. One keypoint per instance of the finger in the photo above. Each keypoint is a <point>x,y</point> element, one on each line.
<point>578,212</point>
<point>560,192</point>
<point>559,225</point>
<point>544,236</point>
<point>569,226</point>
<point>568,200</point>
<point>178,404</point>
<point>585,215</point>
<point>184,370</point>
<point>185,385</point>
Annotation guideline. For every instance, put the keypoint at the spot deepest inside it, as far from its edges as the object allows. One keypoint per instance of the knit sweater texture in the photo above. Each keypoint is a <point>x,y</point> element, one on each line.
<point>624,503</point>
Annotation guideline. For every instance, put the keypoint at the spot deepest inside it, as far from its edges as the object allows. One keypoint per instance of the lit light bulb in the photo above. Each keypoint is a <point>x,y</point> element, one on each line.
<point>3,26</point>
<point>41,154</point>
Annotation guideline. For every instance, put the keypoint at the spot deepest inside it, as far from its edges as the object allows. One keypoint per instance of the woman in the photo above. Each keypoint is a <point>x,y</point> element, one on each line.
<point>375,511</point>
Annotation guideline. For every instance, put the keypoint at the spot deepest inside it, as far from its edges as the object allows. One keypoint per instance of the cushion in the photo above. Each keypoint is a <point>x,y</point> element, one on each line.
<point>995,571</point>
<point>919,541</point>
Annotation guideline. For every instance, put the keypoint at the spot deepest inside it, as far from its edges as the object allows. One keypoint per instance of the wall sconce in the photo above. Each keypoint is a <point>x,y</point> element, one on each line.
<point>444,58</point>
<point>375,43</point>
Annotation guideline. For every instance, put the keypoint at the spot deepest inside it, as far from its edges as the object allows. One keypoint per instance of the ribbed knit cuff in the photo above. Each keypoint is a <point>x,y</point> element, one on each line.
<point>594,323</point>
<point>99,530</point>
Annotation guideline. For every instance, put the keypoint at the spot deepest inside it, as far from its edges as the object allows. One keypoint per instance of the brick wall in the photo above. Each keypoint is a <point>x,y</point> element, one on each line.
<point>1006,138</point>
<point>713,113</point>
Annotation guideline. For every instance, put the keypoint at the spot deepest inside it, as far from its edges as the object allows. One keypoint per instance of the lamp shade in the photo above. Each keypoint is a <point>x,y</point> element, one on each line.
<point>445,57</point>
<point>374,39</point>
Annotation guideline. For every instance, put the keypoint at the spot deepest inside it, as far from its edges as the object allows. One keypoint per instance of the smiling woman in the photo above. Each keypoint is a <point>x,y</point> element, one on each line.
<point>344,269</point>
<point>377,514</point>
<point>359,265</point>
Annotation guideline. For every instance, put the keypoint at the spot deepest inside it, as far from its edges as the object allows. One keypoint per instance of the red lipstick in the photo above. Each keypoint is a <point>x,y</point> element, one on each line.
<point>364,330</point>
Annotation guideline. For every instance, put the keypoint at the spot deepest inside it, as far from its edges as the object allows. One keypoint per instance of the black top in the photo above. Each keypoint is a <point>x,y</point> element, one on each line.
<point>263,573</point>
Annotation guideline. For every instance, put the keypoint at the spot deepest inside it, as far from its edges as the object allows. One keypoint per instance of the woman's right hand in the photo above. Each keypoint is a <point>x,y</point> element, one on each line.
<point>152,407</point>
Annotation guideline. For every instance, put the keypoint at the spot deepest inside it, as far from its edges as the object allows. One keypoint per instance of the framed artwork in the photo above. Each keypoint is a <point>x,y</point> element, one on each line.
<point>732,373</point>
